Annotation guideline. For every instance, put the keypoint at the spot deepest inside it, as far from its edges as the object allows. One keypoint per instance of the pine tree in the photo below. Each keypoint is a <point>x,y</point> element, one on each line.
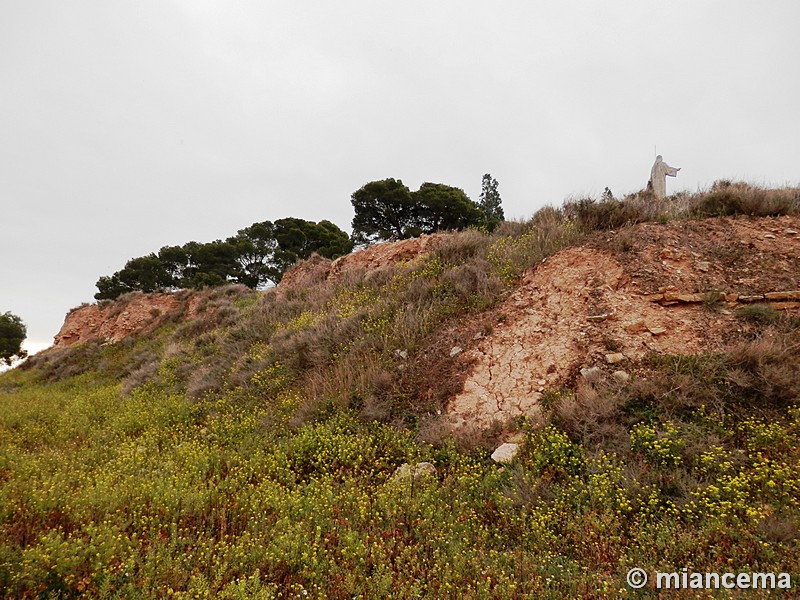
<point>490,202</point>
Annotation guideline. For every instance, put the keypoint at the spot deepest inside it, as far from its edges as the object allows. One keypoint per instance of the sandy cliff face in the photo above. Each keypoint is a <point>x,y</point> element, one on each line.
<point>588,306</point>
<point>114,321</point>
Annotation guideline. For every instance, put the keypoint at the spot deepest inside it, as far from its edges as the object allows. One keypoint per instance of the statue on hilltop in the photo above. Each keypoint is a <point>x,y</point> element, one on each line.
<point>658,177</point>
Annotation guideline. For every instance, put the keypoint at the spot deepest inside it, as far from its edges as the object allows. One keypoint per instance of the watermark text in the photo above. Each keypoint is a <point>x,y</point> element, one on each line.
<point>685,579</point>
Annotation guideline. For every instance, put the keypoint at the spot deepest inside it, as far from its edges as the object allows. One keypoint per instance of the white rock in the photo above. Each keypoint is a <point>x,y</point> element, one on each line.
<point>455,351</point>
<point>406,471</point>
<point>589,372</point>
<point>621,376</point>
<point>505,453</point>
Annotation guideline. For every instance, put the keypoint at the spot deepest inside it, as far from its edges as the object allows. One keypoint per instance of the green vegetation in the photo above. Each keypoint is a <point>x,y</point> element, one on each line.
<point>153,494</point>
<point>12,334</point>
<point>387,209</point>
<point>490,202</point>
<point>257,255</point>
<point>251,453</point>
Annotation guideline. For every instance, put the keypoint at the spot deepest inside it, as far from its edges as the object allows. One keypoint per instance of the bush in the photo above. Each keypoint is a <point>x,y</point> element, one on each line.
<point>609,213</point>
<point>767,369</point>
<point>761,314</point>
<point>727,199</point>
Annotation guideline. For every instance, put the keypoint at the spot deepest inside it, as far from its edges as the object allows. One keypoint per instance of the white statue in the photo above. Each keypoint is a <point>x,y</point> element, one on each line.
<point>658,177</point>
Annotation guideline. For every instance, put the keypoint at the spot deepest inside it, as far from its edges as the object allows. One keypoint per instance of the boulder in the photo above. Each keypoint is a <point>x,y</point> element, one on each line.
<point>505,453</point>
<point>621,376</point>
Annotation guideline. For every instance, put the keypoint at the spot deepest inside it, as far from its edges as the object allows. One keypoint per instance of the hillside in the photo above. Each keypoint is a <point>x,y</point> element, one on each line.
<point>235,444</point>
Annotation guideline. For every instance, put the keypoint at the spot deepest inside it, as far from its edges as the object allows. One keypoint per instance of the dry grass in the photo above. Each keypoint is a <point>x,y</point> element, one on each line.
<point>767,369</point>
<point>62,363</point>
<point>725,198</point>
<point>591,412</point>
<point>729,198</point>
<point>463,247</point>
<point>593,215</point>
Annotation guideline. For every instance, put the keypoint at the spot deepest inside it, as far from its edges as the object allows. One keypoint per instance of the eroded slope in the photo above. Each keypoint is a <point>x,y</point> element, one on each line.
<point>588,306</point>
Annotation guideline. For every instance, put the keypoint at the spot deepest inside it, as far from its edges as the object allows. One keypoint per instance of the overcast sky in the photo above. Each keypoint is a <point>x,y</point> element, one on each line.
<point>130,125</point>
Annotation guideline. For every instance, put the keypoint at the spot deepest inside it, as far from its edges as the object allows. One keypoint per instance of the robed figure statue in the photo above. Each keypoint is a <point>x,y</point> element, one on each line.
<point>658,177</point>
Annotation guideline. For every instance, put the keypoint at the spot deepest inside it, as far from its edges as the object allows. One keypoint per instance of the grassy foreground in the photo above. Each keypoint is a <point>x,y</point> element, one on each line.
<point>152,496</point>
<point>253,455</point>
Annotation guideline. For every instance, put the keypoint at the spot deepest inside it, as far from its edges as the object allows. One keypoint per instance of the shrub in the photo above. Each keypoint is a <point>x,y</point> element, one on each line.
<point>726,198</point>
<point>609,213</point>
<point>463,247</point>
<point>761,314</point>
<point>590,413</point>
<point>767,369</point>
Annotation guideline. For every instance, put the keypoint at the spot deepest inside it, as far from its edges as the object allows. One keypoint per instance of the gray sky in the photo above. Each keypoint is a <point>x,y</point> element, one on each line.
<point>130,125</point>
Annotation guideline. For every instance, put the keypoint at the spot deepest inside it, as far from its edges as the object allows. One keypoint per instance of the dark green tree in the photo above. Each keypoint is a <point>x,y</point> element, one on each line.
<point>110,287</point>
<point>330,241</point>
<point>255,256</point>
<point>255,248</point>
<point>145,273</point>
<point>12,334</point>
<point>211,264</point>
<point>440,207</point>
<point>174,260</point>
<point>490,202</point>
<point>297,239</point>
<point>387,210</point>
<point>383,210</point>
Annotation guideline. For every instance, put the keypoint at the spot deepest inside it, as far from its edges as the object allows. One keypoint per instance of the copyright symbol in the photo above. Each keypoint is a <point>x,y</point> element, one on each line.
<point>637,578</point>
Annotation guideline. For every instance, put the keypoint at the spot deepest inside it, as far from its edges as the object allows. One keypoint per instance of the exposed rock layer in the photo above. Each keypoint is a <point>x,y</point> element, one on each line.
<point>669,290</point>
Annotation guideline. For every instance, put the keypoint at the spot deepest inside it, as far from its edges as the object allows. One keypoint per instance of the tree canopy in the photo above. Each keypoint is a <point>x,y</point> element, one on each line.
<point>490,202</point>
<point>387,209</point>
<point>255,256</point>
<point>12,333</point>
<point>383,210</point>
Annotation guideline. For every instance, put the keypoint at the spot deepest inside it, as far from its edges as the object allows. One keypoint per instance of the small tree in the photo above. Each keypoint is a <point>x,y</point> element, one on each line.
<point>110,287</point>
<point>145,273</point>
<point>490,202</point>
<point>12,334</point>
